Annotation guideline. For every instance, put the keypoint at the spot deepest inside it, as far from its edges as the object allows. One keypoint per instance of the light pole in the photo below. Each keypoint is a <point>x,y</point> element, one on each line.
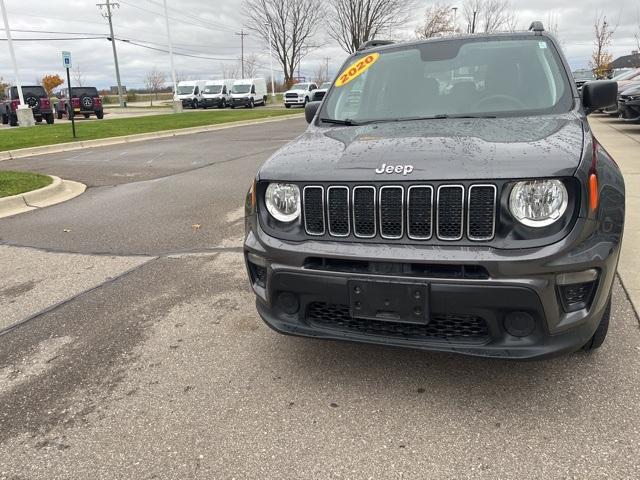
<point>273,88</point>
<point>177,104</point>
<point>25,117</point>
<point>455,19</point>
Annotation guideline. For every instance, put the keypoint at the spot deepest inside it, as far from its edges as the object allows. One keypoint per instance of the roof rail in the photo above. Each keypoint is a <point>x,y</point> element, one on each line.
<point>537,27</point>
<point>374,43</point>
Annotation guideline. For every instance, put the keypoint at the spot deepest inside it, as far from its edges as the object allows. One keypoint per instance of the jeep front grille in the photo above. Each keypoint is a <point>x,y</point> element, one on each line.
<point>448,212</point>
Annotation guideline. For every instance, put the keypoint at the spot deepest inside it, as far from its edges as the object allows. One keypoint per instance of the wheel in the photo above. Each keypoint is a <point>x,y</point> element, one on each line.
<point>49,118</point>
<point>13,120</point>
<point>5,119</point>
<point>59,114</point>
<point>233,107</point>
<point>251,103</point>
<point>601,332</point>
<point>194,104</point>
<point>287,105</point>
<point>86,115</point>
<point>264,101</point>
<point>38,119</point>
<point>222,104</point>
<point>100,114</point>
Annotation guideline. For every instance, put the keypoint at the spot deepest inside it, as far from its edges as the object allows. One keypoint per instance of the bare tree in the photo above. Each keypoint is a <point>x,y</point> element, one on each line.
<point>353,22</point>
<point>601,58</point>
<point>489,16</point>
<point>154,81</point>
<point>78,76</point>
<point>438,21</point>
<point>320,74</point>
<point>231,70</point>
<point>251,65</point>
<point>289,25</point>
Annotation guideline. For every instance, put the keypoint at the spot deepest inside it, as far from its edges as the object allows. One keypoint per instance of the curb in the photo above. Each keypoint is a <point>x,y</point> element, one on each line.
<point>102,142</point>
<point>57,192</point>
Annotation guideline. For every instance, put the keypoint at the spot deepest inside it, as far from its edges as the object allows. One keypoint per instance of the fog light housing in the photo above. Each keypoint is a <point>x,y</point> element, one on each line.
<point>257,270</point>
<point>519,324</point>
<point>576,289</point>
<point>288,303</point>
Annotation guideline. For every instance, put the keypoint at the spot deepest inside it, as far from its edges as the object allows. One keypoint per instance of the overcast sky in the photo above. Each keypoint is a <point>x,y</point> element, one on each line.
<point>213,35</point>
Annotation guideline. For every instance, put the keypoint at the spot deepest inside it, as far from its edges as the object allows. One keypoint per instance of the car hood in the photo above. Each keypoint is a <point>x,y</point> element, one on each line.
<point>444,149</point>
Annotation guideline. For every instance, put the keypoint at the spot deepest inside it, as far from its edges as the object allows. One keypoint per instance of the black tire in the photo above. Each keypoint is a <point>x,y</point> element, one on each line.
<point>100,114</point>
<point>194,104</point>
<point>251,103</point>
<point>38,119</point>
<point>49,118</point>
<point>222,104</point>
<point>13,120</point>
<point>287,105</point>
<point>86,115</point>
<point>601,332</point>
<point>59,114</point>
<point>5,119</point>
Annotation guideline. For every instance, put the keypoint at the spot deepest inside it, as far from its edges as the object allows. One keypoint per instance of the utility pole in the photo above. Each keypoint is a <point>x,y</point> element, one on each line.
<point>473,25</point>
<point>455,19</point>
<point>242,35</point>
<point>106,13</point>
<point>326,68</point>
<point>177,104</point>
<point>25,118</point>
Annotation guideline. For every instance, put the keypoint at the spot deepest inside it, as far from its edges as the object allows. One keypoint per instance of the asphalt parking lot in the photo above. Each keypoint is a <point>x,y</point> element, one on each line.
<point>131,349</point>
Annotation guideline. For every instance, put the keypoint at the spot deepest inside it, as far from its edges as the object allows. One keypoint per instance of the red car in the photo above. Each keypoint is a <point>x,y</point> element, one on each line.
<point>84,100</point>
<point>36,99</point>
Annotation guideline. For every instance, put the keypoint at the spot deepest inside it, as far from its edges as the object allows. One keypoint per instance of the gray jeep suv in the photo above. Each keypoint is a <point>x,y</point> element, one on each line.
<point>448,195</point>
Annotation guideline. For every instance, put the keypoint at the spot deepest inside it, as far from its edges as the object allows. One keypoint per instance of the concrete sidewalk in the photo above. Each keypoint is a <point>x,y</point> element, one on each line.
<point>622,141</point>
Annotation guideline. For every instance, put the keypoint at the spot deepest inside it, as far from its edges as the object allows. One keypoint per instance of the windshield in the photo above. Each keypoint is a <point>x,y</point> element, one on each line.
<point>300,86</point>
<point>626,75</point>
<point>326,85</point>
<point>81,91</point>
<point>584,75</point>
<point>241,89</point>
<point>185,89</point>
<point>213,89</point>
<point>458,77</point>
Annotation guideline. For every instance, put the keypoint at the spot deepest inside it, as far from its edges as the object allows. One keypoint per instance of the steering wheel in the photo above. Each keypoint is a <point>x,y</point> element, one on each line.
<point>508,98</point>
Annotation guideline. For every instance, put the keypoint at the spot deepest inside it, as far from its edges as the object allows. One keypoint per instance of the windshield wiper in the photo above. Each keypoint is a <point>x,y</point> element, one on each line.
<point>347,121</point>
<point>445,115</point>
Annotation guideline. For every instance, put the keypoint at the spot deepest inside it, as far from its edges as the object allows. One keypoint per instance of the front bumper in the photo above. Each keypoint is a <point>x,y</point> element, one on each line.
<point>211,102</point>
<point>241,102</point>
<point>517,282</point>
<point>294,101</point>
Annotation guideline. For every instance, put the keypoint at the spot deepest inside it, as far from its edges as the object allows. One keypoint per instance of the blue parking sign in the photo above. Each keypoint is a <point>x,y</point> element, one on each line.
<point>66,59</point>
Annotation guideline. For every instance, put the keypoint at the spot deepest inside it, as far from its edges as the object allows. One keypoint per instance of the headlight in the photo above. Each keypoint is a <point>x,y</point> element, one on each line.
<point>538,203</point>
<point>283,201</point>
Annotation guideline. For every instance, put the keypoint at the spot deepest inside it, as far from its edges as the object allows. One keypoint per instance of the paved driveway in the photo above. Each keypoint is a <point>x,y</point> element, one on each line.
<point>139,353</point>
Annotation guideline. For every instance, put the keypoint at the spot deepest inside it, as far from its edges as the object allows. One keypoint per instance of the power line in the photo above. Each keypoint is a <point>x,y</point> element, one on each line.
<point>53,39</point>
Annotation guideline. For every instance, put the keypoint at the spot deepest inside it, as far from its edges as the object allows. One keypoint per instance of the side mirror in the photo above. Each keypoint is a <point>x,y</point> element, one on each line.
<point>599,94</point>
<point>310,110</point>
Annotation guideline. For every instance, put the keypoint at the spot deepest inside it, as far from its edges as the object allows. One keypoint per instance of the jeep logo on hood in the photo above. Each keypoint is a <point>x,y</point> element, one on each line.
<point>403,169</point>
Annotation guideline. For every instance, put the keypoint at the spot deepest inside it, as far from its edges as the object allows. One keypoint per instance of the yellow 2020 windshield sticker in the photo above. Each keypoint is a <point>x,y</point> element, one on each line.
<point>357,68</point>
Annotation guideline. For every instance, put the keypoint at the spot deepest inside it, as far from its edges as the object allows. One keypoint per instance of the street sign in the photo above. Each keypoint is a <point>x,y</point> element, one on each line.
<point>66,59</point>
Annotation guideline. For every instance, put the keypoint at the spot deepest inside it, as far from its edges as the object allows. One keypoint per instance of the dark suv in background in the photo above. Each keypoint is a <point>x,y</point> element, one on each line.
<point>84,100</point>
<point>36,99</point>
<point>463,205</point>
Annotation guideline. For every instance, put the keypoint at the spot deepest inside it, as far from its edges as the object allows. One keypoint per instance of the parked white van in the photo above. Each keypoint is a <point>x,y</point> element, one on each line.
<point>249,92</point>
<point>216,93</point>
<point>190,92</point>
